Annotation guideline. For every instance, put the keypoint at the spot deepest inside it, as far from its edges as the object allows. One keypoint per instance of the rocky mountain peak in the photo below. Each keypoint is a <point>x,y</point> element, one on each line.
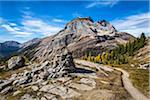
<point>79,24</point>
<point>86,26</point>
<point>104,26</point>
<point>103,22</point>
<point>84,19</point>
<point>78,35</point>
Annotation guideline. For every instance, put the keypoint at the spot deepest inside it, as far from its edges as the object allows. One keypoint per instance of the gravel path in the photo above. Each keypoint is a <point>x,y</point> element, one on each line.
<point>134,92</point>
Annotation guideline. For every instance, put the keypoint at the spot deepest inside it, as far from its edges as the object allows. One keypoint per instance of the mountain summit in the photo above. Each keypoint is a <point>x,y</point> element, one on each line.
<point>88,26</point>
<point>78,36</point>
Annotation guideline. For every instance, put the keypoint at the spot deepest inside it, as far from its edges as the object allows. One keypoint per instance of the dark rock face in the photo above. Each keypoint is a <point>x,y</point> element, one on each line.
<point>107,26</point>
<point>16,62</point>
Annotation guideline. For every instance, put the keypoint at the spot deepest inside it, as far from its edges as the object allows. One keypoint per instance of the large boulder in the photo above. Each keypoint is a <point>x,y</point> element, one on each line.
<point>16,62</point>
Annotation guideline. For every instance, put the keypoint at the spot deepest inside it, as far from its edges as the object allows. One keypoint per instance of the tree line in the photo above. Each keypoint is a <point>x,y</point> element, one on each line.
<point>118,55</point>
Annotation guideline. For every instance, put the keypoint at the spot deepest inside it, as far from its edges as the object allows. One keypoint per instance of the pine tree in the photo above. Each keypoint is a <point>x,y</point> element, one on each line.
<point>112,55</point>
<point>103,57</point>
<point>98,58</point>
<point>142,40</point>
<point>107,56</point>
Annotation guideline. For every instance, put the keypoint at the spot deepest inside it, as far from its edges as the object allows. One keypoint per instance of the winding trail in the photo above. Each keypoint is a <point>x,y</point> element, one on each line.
<point>134,92</point>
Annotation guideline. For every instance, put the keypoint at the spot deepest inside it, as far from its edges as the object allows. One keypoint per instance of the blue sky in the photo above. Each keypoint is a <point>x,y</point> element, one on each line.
<point>24,20</point>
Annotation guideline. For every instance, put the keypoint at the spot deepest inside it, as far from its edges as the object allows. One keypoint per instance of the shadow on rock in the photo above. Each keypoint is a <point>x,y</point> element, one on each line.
<point>81,70</point>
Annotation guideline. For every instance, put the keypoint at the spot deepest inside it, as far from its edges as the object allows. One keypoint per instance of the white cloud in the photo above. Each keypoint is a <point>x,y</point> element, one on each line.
<point>39,26</point>
<point>15,31</point>
<point>58,20</point>
<point>13,24</point>
<point>30,26</point>
<point>8,28</point>
<point>134,24</point>
<point>110,3</point>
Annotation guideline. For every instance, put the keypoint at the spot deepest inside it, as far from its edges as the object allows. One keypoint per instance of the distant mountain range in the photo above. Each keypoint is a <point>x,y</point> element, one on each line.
<point>79,36</point>
<point>9,47</point>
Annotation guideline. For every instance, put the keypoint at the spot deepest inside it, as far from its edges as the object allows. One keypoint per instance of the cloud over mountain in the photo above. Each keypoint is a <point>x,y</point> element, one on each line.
<point>134,24</point>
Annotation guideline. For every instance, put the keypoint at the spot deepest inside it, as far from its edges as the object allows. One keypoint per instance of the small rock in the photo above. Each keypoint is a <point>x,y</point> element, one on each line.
<point>5,84</point>
<point>43,98</point>
<point>16,93</point>
<point>26,97</point>
<point>46,88</point>
<point>132,65</point>
<point>49,96</point>
<point>46,63</point>
<point>22,80</point>
<point>55,98</point>
<point>62,91</point>
<point>2,68</point>
<point>34,88</point>
<point>15,82</point>
<point>13,76</point>
<point>88,81</point>
<point>6,90</point>
<point>82,87</point>
<point>1,81</point>
<point>45,83</point>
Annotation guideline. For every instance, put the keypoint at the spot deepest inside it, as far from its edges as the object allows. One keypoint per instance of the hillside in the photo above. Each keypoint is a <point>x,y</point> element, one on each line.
<point>143,54</point>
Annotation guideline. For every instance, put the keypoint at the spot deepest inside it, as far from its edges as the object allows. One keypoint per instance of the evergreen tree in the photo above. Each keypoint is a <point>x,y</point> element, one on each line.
<point>103,57</point>
<point>142,40</point>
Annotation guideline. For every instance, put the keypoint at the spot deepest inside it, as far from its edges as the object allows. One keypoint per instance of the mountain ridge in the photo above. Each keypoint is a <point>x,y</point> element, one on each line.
<point>8,47</point>
<point>79,35</point>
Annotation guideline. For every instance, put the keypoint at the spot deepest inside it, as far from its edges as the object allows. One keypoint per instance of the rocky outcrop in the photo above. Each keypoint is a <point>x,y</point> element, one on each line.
<point>61,65</point>
<point>16,62</point>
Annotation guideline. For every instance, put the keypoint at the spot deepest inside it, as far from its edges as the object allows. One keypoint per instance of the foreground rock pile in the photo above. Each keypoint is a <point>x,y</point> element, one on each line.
<point>61,65</point>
